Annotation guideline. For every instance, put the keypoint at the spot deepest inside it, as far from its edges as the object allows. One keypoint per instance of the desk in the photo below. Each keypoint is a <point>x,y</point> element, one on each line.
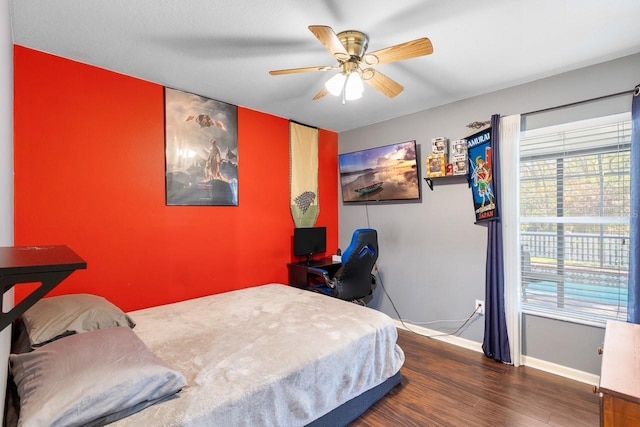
<point>299,271</point>
<point>47,265</point>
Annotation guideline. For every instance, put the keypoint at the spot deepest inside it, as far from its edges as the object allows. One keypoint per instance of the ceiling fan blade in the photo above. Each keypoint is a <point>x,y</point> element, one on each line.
<point>330,40</point>
<point>400,52</point>
<point>384,84</point>
<point>321,94</point>
<point>301,70</point>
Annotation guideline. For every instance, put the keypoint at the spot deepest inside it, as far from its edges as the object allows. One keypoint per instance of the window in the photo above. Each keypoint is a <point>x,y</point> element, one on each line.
<point>574,219</point>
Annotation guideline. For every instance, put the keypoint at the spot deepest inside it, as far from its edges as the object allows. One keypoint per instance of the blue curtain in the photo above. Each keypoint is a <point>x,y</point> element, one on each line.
<point>496,338</point>
<point>633,306</point>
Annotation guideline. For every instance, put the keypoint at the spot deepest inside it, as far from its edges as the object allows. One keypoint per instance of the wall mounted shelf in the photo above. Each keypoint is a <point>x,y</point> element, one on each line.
<point>450,179</point>
<point>47,265</point>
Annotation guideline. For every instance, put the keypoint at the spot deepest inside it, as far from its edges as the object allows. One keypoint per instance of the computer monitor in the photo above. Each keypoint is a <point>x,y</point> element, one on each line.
<point>308,241</point>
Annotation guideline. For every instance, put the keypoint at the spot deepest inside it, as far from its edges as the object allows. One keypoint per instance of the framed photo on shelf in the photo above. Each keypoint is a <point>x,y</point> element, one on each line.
<point>436,165</point>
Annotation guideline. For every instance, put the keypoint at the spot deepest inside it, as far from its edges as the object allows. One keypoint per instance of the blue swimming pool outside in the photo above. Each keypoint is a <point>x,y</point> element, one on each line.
<point>598,294</point>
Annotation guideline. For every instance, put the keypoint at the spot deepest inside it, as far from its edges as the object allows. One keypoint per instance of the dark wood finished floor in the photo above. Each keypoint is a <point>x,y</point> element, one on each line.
<point>445,385</point>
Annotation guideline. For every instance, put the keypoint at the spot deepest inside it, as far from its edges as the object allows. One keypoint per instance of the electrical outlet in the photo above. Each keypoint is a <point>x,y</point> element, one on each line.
<point>479,303</point>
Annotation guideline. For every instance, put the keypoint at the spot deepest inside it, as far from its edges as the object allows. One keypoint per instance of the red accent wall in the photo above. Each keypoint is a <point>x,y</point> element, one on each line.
<point>89,173</point>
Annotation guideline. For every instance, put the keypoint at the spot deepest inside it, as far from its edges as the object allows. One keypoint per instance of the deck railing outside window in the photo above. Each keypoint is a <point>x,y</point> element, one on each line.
<point>594,251</point>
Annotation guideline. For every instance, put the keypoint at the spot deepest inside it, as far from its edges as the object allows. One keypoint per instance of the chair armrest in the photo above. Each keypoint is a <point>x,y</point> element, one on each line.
<point>323,273</point>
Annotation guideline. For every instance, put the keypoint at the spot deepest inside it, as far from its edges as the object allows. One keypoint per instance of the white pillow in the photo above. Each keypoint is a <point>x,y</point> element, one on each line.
<point>95,377</point>
<point>56,317</point>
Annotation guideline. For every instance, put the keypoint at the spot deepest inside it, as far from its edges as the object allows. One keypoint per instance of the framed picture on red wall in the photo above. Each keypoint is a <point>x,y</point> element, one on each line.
<point>201,150</point>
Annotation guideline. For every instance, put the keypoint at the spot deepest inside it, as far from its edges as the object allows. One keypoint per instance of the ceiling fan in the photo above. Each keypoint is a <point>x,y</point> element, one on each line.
<point>349,48</point>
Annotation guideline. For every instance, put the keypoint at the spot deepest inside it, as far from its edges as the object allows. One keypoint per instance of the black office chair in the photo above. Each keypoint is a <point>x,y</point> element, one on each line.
<point>353,281</point>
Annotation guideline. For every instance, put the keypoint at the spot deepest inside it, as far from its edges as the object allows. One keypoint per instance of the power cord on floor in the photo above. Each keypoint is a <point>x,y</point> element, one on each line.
<point>466,321</point>
<point>415,322</point>
<point>472,316</point>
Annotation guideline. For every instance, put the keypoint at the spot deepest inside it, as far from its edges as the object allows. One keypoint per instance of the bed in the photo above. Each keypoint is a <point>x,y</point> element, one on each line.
<point>271,355</point>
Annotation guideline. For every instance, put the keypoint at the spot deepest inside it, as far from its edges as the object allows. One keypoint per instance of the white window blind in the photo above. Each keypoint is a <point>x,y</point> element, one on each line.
<point>574,219</point>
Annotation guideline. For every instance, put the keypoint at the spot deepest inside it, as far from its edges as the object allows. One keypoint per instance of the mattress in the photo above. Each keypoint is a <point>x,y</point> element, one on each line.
<point>271,355</point>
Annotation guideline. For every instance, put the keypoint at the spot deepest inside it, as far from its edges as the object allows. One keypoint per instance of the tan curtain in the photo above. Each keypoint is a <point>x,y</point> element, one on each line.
<point>304,174</point>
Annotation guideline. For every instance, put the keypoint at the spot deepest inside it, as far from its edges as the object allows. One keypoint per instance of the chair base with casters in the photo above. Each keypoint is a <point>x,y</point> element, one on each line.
<point>354,280</point>
<point>321,288</point>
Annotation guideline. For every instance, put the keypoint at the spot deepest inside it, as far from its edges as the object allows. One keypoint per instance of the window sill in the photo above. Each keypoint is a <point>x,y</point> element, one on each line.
<point>596,322</point>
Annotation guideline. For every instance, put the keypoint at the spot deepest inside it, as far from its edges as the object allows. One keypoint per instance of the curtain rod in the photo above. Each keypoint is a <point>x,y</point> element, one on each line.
<point>303,124</point>
<point>571,104</point>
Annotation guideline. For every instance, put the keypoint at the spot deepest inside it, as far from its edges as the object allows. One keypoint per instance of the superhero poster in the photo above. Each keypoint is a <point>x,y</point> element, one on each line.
<point>481,175</point>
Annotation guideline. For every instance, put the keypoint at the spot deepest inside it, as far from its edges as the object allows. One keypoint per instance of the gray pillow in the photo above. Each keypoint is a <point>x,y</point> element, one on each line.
<point>90,378</point>
<point>56,317</point>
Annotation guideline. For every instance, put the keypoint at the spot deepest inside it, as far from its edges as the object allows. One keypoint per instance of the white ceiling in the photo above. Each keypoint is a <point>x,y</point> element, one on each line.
<point>224,49</point>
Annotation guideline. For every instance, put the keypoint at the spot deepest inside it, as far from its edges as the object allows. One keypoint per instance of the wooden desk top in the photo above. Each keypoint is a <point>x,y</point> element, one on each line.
<point>620,374</point>
<point>36,259</point>
<point>315,263</point>
<point>48,265</point>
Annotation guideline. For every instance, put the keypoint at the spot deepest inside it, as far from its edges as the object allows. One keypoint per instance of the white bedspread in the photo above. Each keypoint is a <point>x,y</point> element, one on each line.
<point>272,355</point>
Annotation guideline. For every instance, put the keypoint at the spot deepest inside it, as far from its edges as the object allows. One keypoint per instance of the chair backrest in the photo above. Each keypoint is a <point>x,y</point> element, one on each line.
<point>353,279</point>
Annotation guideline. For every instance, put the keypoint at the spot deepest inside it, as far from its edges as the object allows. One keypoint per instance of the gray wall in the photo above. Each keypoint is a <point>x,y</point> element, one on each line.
<point>431,254</point>
<point>564,343</point>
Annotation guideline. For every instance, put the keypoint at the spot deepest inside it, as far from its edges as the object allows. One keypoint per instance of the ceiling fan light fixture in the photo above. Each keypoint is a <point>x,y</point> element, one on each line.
<point>349,48</point>
<point>354,87</point>
<point>335,84</point>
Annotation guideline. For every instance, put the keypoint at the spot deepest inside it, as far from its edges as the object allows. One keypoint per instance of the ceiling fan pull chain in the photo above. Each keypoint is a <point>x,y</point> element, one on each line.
<point>344,91</point>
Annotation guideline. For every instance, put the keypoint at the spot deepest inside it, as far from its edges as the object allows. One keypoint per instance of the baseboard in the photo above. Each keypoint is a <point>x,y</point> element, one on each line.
<point>551,368</point>
<point>438,335</point>
<point>560,370</point>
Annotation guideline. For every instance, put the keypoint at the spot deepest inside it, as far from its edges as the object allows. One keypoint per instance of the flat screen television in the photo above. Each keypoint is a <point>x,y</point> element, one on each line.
<point>382,174</point>
<point>308,241</point>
